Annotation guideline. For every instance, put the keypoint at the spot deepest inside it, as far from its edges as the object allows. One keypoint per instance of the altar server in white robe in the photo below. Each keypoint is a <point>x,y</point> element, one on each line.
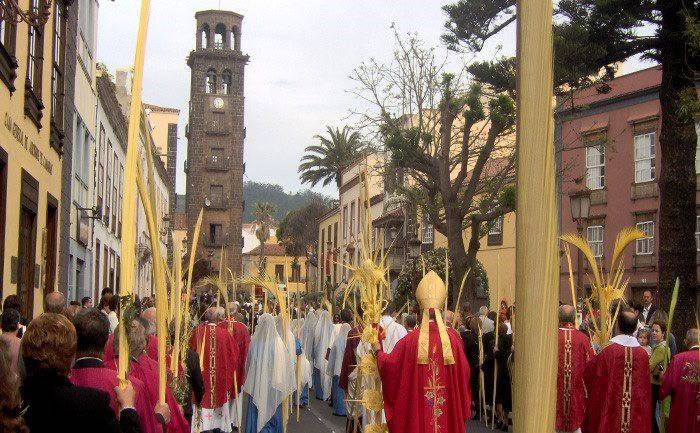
<point>267,379</point>
<point>323,337</point>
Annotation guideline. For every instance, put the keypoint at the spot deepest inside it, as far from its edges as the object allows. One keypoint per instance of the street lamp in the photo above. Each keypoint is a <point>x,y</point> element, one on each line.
<point>580,205</point>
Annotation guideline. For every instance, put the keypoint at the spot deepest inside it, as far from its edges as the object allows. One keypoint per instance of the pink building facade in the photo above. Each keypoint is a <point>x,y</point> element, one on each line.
<point>608,145</point>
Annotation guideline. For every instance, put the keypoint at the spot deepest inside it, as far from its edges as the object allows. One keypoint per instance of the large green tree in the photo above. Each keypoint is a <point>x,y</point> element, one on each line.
<point>298,230</point>
<point>324,162</point>
<point>594,35</point>
<point>454,138</point>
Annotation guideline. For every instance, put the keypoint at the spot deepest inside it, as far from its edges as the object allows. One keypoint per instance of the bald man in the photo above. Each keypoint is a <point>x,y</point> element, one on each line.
<point>618,383</point>
<point>574,352</point>
<point>55,302</point>
<point>149,315</point>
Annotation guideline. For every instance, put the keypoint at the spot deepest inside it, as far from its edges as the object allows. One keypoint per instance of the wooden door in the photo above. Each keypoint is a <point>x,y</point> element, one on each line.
<point>26,255</point>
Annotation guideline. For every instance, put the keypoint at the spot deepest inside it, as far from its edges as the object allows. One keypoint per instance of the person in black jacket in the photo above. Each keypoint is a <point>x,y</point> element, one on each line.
<point>470,341</point>
<point>51,403</point>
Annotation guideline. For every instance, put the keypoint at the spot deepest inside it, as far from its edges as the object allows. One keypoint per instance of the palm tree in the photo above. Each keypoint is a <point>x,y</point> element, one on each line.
<point>325,162</point>
<point>263,214</point>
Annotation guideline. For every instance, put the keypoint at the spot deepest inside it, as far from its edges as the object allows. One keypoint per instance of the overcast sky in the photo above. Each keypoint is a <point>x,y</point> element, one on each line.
<point>301,54</point>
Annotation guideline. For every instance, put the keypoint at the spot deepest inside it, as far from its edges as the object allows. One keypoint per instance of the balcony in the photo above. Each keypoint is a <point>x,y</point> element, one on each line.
<point>218,163</point>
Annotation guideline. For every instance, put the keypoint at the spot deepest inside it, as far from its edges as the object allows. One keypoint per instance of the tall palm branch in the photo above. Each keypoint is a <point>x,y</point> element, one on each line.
<point>325,161</point>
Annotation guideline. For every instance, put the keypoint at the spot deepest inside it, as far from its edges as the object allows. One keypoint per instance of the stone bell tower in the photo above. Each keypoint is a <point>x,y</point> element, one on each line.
<point>215,135</point>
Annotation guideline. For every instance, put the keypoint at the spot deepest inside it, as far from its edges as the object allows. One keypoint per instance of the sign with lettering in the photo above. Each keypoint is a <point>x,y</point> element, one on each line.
<point>28,145</point>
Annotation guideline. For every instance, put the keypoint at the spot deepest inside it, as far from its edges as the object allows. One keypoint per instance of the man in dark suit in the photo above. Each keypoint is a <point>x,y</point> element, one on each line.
<point>50,401</point>
<point>649,308</point>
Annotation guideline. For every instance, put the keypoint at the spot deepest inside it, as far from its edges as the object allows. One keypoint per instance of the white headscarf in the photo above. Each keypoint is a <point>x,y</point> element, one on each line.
<point>267,381</point>
<point>323,338</point>
<point>307,336</point>
<point>335,359</point>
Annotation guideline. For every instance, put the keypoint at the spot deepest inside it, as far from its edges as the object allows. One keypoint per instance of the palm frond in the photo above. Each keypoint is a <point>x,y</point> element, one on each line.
<point>582,244</point>
<point>625,237</point>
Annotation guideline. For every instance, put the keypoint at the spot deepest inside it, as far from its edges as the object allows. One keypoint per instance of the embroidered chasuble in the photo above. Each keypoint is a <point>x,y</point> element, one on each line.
<point>574,352</point>
<point>425,398</point>
<point>619,390</point>
<point>682,383</point>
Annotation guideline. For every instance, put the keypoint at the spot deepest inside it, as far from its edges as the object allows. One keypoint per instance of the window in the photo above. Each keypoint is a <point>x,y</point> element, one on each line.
<point>595,167</point>
<point>219,36</point>
<point>279,272</point>
<point>204,36</point>
<point>322,262</point>
<point>226,82</point>
<point>645,245</point>
<point>59,39</point>
<point>8,31</point>
<point>216,195</point>
<point>594,235</point>
<point>108,186</point>
<point>100,165</point>
<point>115,183</point>
<point>345,222</point>
<point>495,235</point>
<point>644,158</point>
<point>296,273</point>
<point>697,233</point>
<point>121,199</point>
<point>35,51</point>
<point>97,266</point>
<point>428,230</point>
<point>215,232</point>
<point>352,217</point>
<point>210,81</point>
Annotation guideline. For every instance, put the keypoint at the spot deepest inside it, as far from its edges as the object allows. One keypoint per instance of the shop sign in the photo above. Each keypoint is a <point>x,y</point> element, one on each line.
<point>28,145</point>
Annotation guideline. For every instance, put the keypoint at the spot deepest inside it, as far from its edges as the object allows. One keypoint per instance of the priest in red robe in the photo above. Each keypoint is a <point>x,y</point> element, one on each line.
<point>239,333</point>
<point>574,352</point>
<point>682,383</point>
<point>145,369</point>
<point>425,379</point>
<point>92,329</point>
<point>618,384</point>
<point>219,360</point>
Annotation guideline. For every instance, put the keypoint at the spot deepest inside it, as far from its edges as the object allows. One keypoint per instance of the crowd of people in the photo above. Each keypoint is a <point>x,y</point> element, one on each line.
<point>250,368</point>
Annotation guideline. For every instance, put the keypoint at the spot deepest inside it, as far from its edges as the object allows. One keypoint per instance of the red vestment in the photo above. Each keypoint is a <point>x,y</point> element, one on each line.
<point>145,369</point>
<point>619,391</point>
<point>152,347</point>
<point>239,333</point>
<point>574,352</point>
<point>109,355</point>
<point>91,373</point>
<point>349,357</point>
<point>682,383</point>
<point>219,363</point>
<point>427,398</point>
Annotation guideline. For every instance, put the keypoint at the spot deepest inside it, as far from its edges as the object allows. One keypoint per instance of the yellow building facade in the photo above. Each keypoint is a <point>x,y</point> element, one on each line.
<point>277,265</point>
<point>30,161</point>
<point>497,255</point>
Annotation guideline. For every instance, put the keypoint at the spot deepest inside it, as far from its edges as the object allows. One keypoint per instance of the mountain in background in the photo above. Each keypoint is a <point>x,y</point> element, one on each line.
<point>284,202</point>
